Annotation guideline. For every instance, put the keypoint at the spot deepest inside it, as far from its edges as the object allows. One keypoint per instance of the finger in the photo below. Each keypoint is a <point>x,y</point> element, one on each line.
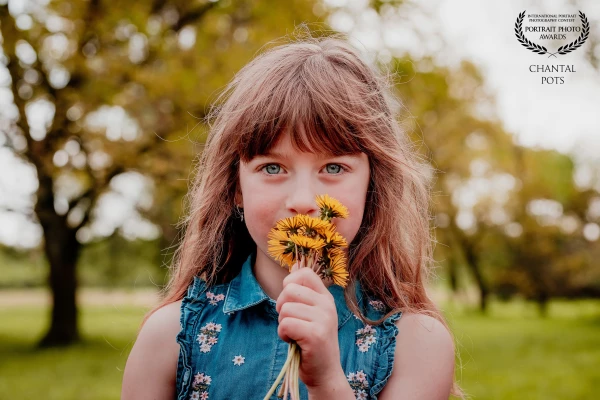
<point>299,311</point>
<point>297,294</point>
<point>295,329</point>
<point>306,277</point>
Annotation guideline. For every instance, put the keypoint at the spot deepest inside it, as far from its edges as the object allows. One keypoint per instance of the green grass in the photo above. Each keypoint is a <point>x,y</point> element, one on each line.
<point>91,370</point>
<point>515,354</point>
<point>511,354</point>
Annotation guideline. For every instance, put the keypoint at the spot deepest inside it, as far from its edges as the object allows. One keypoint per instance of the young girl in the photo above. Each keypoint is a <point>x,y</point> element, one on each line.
<point>302,119</point>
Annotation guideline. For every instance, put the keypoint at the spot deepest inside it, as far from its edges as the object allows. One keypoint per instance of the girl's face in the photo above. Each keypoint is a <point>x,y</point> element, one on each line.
<point>286,182</point>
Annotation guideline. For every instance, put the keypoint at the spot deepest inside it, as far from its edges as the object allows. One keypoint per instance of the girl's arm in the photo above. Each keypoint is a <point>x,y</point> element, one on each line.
<point>152,364</point>
<point>423,360</point>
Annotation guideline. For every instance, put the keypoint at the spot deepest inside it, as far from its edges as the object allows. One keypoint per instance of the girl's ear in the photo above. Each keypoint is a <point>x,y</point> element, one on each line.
<point>238,199</point>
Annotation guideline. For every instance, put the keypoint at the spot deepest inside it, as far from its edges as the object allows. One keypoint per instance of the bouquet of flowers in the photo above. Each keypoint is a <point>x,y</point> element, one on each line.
<point>314,243</point>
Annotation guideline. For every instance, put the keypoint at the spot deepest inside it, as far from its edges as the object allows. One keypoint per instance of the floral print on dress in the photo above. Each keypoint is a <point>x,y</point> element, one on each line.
<point>214,298</point>
<point>377,304</point>
<point>358,382</point>
<point>238,360</point>
<point>208,336</point>
<point>365,338</point>
<point>200,387</point>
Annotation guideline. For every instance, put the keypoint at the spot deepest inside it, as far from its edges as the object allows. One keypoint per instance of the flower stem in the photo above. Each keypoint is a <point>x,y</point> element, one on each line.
<point>283,371</point>
<point>295,377</point>
<point>292,375</point>
<point>285,388</point>
<point>297,260</point>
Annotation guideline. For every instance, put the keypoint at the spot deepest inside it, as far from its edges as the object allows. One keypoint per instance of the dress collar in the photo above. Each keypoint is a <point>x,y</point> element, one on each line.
<point>244,291</point>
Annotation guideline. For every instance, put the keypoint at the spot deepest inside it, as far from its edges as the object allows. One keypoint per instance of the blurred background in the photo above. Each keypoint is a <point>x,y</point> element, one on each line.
<point>101,107</point>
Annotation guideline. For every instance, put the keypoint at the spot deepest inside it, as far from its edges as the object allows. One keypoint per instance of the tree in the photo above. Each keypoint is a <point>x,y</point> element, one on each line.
<point>506,248</point>
<point>442,103</point>
<point>150,64</point>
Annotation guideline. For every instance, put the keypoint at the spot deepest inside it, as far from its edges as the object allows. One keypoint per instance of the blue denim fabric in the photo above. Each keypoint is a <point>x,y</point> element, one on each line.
<point>229,347</point>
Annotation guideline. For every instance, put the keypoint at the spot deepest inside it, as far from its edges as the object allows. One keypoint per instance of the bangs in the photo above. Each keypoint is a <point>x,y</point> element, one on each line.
<point>311,111</point>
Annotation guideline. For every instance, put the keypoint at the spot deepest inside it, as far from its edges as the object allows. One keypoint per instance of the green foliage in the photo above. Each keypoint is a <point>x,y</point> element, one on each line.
<point>129,58</point>
<point>550,174</point>
<point>113,262</point>
<point>22,269</point>
<point>116,262</point>
<point>443,115</point>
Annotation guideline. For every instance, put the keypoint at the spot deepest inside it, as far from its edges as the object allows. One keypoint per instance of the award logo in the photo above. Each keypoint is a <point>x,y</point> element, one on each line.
<point>553,27</point>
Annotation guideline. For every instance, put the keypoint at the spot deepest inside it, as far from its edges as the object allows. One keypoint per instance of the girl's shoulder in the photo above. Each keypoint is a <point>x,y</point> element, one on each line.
<point>425,354</point>
<point>149,372</point>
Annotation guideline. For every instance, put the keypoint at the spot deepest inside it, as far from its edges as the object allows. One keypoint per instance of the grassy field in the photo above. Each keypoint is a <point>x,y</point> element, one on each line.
<point>515,354</point>
<point>511,354</point>
<point>90,371</point>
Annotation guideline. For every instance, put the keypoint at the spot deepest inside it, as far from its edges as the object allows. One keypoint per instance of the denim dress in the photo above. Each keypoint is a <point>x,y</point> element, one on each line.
<point>230,349</point>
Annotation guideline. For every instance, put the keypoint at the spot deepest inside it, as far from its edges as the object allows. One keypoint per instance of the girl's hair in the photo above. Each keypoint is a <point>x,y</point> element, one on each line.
<point>329,100</point>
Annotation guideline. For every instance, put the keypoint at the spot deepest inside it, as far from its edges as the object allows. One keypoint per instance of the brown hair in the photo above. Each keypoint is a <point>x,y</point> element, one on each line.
<point>330,101</point>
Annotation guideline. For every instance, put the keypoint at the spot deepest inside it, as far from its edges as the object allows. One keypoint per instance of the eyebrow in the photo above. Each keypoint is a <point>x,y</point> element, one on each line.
<point>275,154</point>
<point>288,157</point>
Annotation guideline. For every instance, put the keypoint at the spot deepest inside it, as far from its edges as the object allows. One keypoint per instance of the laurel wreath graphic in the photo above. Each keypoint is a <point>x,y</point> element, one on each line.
<point>536,48</point>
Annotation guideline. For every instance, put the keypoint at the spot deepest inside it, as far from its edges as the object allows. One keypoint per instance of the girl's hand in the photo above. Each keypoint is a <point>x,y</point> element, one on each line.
<point>307,315</point>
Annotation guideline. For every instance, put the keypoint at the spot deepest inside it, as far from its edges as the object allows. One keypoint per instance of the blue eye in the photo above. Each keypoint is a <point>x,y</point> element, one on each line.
<point>340,168</point>
<point>269,165</point>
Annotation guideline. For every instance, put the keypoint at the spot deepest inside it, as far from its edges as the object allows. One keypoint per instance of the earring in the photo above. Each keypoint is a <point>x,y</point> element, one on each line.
<point>240,211</point>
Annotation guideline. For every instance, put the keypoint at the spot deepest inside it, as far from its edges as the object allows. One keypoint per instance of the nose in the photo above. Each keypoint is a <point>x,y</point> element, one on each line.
<point>301,199</point>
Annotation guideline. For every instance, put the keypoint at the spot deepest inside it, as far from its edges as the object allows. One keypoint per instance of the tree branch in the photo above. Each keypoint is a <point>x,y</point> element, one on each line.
<point>193,15</point>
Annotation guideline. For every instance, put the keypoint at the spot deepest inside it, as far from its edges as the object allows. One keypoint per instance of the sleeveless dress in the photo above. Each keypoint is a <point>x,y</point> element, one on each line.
<point>230,349</point>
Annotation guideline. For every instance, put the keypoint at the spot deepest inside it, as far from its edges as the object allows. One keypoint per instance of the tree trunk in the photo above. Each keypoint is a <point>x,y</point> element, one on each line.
<point>470,257</point>
<point>473,265</point>
<point>62,251</point>
<point>542,301</point>
<point>453,273</point>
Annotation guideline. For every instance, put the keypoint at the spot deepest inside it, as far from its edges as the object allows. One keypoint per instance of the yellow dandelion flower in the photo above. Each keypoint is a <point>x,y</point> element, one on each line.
<point>336,252</point>
<point>333,238</point>
<point>290,224</point>
<point>312,226</point>
<point>279,245</point>
<point>339,272</point>
<point>289,259</point>
<point>303,236</point>
<point>277,236</point>
<point>307,243</point>
<point>336,270</point>
<point>331,208</point>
